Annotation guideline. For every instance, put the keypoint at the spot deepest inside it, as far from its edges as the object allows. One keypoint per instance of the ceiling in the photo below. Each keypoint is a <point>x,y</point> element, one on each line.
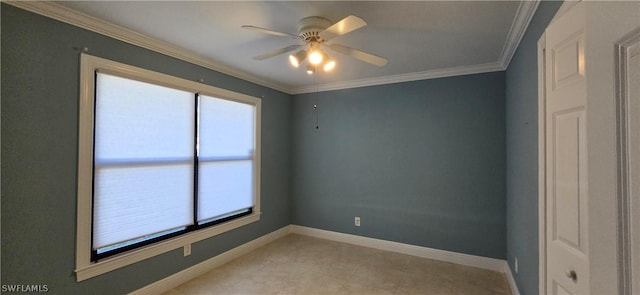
<point>421,39</point>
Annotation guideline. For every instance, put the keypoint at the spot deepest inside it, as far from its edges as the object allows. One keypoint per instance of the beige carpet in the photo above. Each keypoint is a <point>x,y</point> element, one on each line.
<point>303,265</point>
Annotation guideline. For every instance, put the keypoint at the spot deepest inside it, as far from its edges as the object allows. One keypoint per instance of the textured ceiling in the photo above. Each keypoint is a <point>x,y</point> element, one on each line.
<point>419,38</point>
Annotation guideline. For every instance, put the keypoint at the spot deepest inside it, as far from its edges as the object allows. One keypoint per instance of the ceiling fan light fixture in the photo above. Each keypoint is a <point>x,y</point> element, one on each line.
<point>311,69</point>
<point>296,59</point>
<point>315,31</point>
<point>316,56</point>
<point>329,65</point>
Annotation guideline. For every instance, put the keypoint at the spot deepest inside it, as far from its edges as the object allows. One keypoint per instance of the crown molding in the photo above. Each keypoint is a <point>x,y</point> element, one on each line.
<point>85,21</point>
<point>521,21</point>
<point>432,74</point>
<point>526,11</point>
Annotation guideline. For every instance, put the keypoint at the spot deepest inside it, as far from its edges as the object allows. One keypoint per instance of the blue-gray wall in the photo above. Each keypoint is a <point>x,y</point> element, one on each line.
<point>40,73</point>
<point>420,162</point>
<point>522,152</point>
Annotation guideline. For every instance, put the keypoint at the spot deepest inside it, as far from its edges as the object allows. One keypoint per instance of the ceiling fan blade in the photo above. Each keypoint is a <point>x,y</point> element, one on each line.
<point>268,31</point>
<point>359,54</point>
<point>276,52</point>
<point>346,25</point>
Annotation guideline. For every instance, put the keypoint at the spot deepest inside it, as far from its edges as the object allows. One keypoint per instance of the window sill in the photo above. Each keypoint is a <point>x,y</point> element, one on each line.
<point>109,264</point>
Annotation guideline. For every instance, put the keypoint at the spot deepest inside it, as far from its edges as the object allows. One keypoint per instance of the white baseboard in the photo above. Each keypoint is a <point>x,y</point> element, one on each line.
<point>512,281</point>
<point>190,273</point>
<point>201,268</point>
<point>424,252</point>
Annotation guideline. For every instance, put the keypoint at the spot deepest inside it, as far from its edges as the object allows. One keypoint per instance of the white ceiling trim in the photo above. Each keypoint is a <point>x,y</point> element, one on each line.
<point>521,21</point>
<point>439,73</point>
<point>82,20</point>
<point>525,12</point>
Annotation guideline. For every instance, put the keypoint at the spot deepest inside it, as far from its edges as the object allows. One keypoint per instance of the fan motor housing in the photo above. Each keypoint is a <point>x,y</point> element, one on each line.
<point>310,27</point>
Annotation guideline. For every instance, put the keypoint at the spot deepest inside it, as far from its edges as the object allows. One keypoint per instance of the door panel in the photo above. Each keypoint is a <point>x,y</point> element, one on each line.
<point>557,289</point>
<point>566,149</point>
<point>568,60</point>
<point>568,134</point>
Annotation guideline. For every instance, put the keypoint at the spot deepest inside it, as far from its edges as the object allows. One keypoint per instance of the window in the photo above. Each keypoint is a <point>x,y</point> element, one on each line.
<point>163,162</point>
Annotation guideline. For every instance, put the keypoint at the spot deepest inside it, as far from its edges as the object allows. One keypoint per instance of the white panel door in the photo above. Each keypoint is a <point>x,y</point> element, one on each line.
<point>567,230</point>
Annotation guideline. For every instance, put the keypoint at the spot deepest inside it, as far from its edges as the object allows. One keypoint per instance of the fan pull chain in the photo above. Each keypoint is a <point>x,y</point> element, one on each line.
<point>315,107</point>
<point>315,104</point>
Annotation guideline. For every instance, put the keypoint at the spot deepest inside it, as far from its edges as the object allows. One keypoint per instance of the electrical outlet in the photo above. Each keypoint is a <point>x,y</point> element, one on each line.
<point>187,249</point>
<point>357,221</point>
<point>515,264</point>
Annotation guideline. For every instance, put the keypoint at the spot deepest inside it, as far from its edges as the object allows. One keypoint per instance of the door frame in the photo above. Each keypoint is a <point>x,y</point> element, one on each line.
<point>623,196</point>
<point>542,166</point>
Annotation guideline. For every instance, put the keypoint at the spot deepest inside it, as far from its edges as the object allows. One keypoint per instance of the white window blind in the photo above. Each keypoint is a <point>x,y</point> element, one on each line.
<point>226,149</point>
<point>147,183</point>
<point>143,167</point>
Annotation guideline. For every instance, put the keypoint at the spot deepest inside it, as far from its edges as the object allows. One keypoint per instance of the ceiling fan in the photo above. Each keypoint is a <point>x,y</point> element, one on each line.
<point>314,32</point>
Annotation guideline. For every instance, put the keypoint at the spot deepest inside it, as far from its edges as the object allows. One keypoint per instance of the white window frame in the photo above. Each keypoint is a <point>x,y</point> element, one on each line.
<point>85,268</point>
